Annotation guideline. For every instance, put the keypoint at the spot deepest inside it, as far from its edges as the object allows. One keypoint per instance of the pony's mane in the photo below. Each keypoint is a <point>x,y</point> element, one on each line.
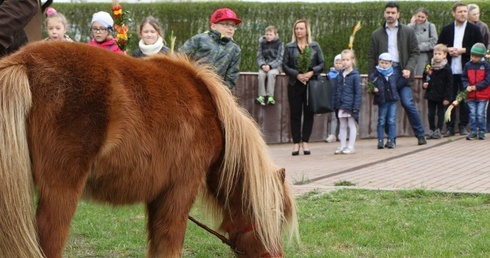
<point>246,158</point>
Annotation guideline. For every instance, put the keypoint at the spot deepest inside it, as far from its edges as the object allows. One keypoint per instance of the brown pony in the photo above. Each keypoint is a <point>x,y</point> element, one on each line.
<point>77,120</point>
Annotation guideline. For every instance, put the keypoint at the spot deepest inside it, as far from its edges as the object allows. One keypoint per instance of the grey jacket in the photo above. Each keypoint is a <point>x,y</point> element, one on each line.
<point>408,49</point>
<point>270,53</point>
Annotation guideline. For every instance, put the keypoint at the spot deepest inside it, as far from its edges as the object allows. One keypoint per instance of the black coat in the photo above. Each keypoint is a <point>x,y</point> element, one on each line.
<point>471,36</point>
<point>440,84</point>
<point>290,60</point>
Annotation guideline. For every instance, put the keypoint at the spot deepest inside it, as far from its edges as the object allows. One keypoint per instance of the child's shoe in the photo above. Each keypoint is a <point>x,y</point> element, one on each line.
<point>471,136</point>
<point>430,134</point>
<point>348,150</point>
<point>390,144</point>
<point>339,150</point>
<point>271,101</point>
<point>380,144</point>
<point>481,135</point>
<point>260,100</point>
<point>436,134</point>
<point>331,138</point>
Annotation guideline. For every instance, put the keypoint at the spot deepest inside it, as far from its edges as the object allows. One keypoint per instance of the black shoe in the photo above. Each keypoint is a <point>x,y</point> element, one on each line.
<point>471,136</point>
<point>380,144</point>
<point>462,130</point>
<point>481,135</point>
<point>306,152</point>
<point>449,133</point>
<point>295,153</point>
<point>421,140</point>
<point>390,144</point>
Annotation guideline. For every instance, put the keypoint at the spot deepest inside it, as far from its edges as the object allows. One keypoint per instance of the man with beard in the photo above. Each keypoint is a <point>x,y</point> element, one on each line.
<point>459,36</point>
<point>401,43</point>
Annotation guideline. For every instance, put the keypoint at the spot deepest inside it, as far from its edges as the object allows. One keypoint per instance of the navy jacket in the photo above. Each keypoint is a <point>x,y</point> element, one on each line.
<point>387,89</point>
<point>348,92</point>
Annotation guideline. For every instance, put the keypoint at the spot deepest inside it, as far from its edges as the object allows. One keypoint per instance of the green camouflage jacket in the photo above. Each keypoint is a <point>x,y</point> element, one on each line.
<point>223,53</point>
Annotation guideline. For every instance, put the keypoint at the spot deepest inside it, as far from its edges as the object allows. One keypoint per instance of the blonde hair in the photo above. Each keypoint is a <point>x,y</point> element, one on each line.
<point>308,30</point>
<point>352,55</point>
<point>271,29</point>
<point>57,16</point>
<point>441,47</point>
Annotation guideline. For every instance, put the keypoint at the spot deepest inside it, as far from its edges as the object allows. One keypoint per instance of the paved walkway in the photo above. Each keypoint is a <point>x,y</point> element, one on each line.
<point>451,164</point>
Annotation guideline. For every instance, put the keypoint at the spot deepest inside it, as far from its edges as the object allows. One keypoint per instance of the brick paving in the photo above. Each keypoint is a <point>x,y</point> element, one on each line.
<point>451,164</point>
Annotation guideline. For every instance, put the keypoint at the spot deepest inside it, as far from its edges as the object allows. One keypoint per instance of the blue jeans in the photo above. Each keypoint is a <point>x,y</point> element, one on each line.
<point>406,100</point>
<point>386,119</point>
<point>478,120</point>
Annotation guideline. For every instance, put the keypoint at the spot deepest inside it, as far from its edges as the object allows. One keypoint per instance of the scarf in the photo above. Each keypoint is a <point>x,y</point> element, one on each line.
<point>385,72</point>
<point>438,65</point>
<point>149,50</point>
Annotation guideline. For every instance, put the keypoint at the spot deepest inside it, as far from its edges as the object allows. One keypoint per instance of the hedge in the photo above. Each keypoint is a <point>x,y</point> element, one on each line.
<point>332,23</point>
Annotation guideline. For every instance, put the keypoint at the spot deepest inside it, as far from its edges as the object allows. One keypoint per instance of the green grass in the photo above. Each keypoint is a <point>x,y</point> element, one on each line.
<point>343,223</point>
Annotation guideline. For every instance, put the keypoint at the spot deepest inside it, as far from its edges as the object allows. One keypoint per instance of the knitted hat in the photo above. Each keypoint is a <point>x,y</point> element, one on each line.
<point>337,57</point>
<point>386,57</point>
<point>103,18</point>
<point>478,49</point>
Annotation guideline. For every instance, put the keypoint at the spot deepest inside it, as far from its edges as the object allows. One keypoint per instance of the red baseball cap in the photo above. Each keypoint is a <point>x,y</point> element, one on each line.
<point>224,14</point>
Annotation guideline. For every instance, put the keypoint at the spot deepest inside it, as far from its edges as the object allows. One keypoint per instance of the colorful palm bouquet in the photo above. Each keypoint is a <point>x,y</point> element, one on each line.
<point>428,72</point>
<point>462,96</point>
<point>120,21</point>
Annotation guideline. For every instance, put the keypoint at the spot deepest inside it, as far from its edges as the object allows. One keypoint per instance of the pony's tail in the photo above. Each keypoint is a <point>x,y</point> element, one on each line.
<point>246,158</point>
<point>18,237</point>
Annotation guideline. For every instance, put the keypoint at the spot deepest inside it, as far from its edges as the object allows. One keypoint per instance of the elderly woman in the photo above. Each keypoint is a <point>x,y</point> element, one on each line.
<point>426,36</point>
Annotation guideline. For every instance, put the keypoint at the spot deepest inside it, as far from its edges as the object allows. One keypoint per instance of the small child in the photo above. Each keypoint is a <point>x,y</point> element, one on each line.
<point>151,38</point>
<point>332,75</point>
<point>347,99</point>
<point>269,59</point>
<point>102,27</point>
<point>438,86</point>
<point>476,79</point>
<point>386,85</point>
<point>216,47</point>
<point>56,26</point>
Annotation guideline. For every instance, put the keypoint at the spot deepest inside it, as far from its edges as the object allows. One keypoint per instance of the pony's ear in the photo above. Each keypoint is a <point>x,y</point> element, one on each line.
<point>282,174</point>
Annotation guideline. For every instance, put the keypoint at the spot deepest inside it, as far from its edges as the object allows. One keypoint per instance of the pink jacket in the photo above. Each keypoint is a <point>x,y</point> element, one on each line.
<point>108,44</point>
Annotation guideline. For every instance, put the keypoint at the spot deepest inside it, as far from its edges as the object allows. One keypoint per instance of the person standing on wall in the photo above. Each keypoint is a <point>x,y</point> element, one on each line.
<point>401,43</point>
<point>14,16</point>
<point>302,50</point>
<point>459,36</point>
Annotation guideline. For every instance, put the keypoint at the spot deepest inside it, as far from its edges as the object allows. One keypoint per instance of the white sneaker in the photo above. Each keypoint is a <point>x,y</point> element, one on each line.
<point>331,138</point>
<point>339,150</point>
<point>348,150</point>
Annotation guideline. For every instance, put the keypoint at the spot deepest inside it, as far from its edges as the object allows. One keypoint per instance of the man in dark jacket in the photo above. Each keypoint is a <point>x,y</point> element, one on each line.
<point>14,16</point>
<point>400,41</point>
<point>459,36</point>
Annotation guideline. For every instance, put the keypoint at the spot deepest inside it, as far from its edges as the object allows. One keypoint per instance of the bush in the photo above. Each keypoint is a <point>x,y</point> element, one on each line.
<point>332,23</point>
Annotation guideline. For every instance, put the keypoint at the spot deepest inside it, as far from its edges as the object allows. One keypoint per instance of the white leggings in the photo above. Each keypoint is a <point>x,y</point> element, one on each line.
<point>344,123</point>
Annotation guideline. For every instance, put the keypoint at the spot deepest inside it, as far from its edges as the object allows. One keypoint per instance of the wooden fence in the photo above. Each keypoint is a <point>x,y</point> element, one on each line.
<point>273,120</point>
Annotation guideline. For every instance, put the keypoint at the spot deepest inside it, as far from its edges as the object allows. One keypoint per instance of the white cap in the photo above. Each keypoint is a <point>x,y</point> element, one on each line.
<point>386,56</point>
<point>103,18</point>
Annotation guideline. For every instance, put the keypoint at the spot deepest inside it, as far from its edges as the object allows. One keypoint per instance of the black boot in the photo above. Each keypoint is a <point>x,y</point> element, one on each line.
<point>380,144</point>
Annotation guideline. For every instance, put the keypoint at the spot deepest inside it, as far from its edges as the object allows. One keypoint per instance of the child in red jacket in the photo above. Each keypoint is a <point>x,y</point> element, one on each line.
<point>476,79</point>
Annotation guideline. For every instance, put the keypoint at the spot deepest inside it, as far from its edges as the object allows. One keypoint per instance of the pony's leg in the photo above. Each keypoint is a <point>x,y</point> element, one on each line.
<point>167,219</point>
<point>57,203</point>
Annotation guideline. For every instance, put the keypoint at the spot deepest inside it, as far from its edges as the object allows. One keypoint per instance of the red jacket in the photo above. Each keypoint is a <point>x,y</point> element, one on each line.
<point>477,74</point>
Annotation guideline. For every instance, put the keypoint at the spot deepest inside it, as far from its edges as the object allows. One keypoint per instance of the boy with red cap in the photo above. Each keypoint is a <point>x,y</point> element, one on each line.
<point>217,47</point>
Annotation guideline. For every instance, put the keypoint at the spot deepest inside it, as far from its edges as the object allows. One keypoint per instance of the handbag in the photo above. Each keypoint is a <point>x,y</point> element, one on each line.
<point>319,96</point>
